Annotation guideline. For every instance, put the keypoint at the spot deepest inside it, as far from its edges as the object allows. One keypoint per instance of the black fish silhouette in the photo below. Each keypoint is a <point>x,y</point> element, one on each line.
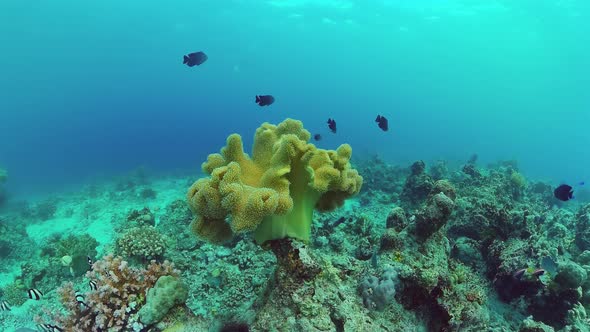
<point>194,59</point>
<point>265,100</point>
<point>564,192</point>
<point>332,125</point>
<point>382,122</point>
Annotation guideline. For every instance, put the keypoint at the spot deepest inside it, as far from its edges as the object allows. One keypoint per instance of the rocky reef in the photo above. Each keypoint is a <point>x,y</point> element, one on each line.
<point>296,238</point>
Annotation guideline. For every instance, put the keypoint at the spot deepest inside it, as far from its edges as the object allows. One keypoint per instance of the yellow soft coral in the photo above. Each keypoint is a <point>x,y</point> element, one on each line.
<point>273,192</point>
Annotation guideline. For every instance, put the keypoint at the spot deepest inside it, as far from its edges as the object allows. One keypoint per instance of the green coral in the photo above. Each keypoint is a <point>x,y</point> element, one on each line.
<point>142,242</point>
<point>168,292</point>
<point>517,180</point>
<point>78,247</point>
<point>15,293</point>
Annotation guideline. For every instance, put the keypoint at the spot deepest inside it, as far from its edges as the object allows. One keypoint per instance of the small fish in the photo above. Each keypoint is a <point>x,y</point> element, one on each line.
<point>89,261</point>
<point>194,59</point>
<point>265,100</point>
<point>382,123</point>
<point>332,125</point>
<point>80,298</point>
<point>338,222</point>
<point>35,294</point>
<point>538,273</point>
<point>5,306</point>
<point>564,192</point>
<point>549,265</point>
<point>582,183</point>
<point>519,273</point>
<point>92,285</point>
<point>49,328</point>
<point>317,137</point>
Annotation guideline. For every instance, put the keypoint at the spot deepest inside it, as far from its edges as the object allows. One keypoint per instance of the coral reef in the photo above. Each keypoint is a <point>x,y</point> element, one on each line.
<point>114,305</point>
<point>144,243</point>
<point>46,209</point>
<point>77,248</point>
<point>143,217</point>
<point>418,185</point>
<point>379,292</point>
<point>446,248</point>
<point>168,292</point>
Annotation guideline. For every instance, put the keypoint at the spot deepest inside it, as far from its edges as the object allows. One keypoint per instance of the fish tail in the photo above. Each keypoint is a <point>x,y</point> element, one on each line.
<point>185,60</point>
<point>257,99</point>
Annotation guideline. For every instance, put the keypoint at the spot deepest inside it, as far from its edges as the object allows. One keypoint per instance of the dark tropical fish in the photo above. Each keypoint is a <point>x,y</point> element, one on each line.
<point>564,192</point>
<point>5,306</point>
<point>519,273</point>
<point>89,261</point>
<point>382,122</point>
<point>317,137</point>
<point>35,294</point>
<point>332,125</point>
<point>194,59</point>
<point>92,285</point>
<point>265,100</point>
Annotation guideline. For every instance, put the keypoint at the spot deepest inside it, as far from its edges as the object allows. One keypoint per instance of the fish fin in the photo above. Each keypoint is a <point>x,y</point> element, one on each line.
<point>257,99</point>
<point>185,61</point>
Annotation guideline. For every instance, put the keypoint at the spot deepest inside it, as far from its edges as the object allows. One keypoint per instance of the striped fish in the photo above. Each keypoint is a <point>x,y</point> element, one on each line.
<point>35,294</point>
<point>49,328</point>
<point>92,285</point>
<point>5,306</point>
<point>80,298</point>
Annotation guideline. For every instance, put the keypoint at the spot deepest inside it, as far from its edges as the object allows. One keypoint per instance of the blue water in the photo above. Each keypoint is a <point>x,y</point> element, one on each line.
<point>97,88</point>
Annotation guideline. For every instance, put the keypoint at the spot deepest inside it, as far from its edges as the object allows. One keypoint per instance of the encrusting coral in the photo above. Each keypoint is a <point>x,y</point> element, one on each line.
<point>114,304</point>
<point>143,242</point>
<point>273,192</point>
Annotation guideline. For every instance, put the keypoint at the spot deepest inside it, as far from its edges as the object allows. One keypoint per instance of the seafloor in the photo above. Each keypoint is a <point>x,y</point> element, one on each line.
<point>439,247</point>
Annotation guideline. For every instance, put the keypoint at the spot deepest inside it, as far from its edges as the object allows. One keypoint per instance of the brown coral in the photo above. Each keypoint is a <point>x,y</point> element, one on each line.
<point>113,306</point>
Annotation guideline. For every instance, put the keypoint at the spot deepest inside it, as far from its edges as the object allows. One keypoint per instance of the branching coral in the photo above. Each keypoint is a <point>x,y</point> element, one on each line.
<point>273,192</point>
<point>113,306</point>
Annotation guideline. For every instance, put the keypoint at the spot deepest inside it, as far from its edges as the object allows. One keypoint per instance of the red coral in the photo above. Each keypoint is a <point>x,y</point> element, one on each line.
<point>120,293</point>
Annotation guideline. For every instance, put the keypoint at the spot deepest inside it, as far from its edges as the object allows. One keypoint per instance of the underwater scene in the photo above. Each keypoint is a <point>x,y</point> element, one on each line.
<point>294,165</point>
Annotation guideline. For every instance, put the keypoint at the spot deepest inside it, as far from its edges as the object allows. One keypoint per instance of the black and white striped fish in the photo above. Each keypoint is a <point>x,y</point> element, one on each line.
<point>92,285</point>
<point>35,294</point>
<point>80,298</point>
<point>49,328</point>
<point>5,306</point>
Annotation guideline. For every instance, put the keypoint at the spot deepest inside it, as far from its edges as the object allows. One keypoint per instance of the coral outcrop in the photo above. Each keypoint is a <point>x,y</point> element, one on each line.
<point>115,303</point>
<point>273,192</point>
